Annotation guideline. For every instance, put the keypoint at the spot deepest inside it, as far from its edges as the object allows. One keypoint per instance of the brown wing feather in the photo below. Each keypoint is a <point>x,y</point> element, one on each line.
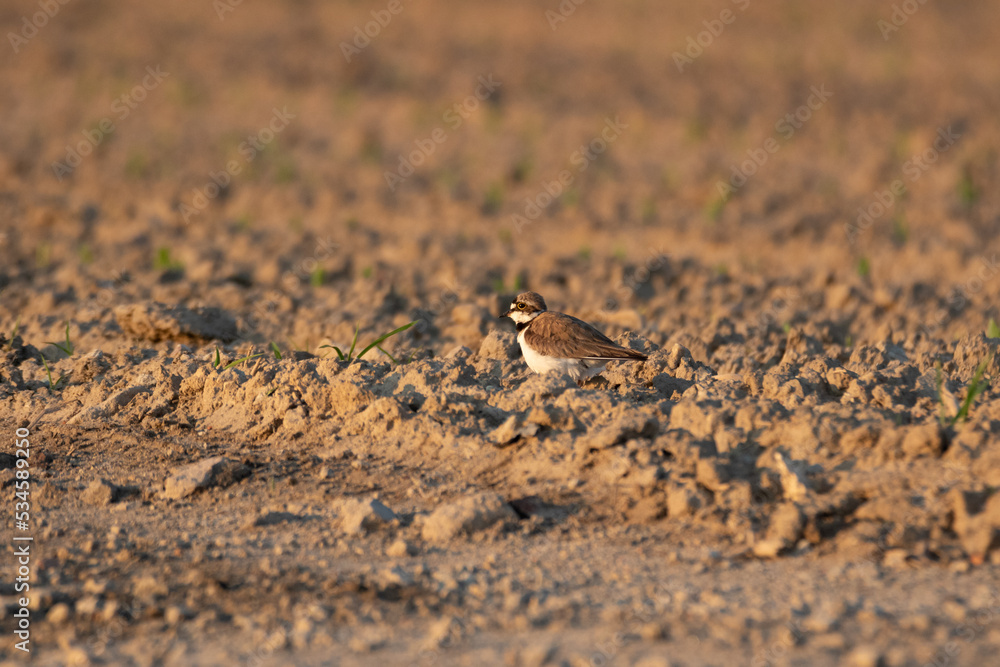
<point>564,336</point>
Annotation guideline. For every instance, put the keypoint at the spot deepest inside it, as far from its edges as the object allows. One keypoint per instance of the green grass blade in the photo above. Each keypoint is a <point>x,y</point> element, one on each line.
<point>240,361</point>
<point>58,346</point>
<point>277,352</point>
<point>384,336</point>
<point>48,371</point>
<point>340,355</point>
<point>218,357</point>
<point>380,349</point>
<point>350,355</point>
<point>66,348</point>
<point>976,387</point>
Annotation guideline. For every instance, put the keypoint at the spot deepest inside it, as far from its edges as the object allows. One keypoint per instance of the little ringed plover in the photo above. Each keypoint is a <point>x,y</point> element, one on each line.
<point>556,342</point>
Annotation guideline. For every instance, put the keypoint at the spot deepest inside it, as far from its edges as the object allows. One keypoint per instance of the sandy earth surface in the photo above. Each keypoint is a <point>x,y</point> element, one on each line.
<point>790,207</point>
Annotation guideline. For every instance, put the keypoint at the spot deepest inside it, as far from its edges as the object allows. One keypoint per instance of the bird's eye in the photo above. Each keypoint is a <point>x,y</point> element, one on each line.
<point>520,306</point>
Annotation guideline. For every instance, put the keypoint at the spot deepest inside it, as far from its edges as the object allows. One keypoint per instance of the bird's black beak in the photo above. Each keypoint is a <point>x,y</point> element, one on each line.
<point>503,315</point>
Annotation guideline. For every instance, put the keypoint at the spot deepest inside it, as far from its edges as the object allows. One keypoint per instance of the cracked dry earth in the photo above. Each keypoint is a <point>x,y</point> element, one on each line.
<point>459,508</point>
<point>790,479</point>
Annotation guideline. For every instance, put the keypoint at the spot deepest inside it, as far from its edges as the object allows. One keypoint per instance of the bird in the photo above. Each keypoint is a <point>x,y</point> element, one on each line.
<point>554,342</point>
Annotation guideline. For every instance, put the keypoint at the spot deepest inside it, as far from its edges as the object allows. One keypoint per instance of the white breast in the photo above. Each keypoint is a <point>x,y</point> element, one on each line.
<point>575,368</point>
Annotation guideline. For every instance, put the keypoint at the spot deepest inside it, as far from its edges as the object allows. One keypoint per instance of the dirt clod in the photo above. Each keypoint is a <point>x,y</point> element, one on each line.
<point>465,515</point>
<point>101,492</point>
<point>358,515</point>
<point>157,321</point>
<point>215,471</point>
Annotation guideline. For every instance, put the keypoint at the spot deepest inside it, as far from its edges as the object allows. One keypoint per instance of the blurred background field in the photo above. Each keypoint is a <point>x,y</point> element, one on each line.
<point>132,206</point>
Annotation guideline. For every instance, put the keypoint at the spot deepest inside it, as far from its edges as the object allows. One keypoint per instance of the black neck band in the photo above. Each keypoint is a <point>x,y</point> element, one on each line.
<point>521,325</point>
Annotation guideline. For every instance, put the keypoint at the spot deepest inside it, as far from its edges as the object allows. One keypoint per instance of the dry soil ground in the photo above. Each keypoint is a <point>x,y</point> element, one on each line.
<point>790,207</point>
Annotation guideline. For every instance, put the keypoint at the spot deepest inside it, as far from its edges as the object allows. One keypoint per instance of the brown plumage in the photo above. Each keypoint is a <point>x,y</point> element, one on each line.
<point>561,335</point>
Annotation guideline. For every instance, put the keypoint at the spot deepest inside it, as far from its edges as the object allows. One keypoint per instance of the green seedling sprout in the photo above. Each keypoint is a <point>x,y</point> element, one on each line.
<point>968,193</point>
<point>976,387</point>
<point>239,361</point>
<point>864,267</point>
<point>218,359</point>
<point>374,344</point>
<point>500,285</point>
<point>165,262</point>
<point>276,351</point>
<point>350,355</point>
<point>48,371</point>
<point>992,329</point>
<point>316,277</point>
<point>714,207</point>
<point>383,337</point>
<point>13,333</point>
<point>66,347</point>
<point>493,199</point>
